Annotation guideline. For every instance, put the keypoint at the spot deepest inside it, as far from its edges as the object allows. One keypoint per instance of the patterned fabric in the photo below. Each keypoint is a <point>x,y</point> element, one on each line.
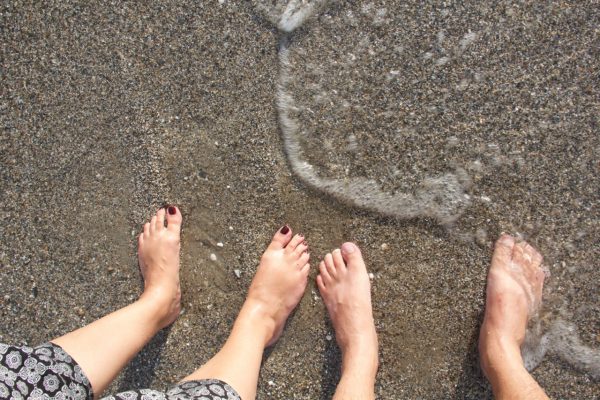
<point>209,389</point>
<point>48,372</point>
<point>43,372</point>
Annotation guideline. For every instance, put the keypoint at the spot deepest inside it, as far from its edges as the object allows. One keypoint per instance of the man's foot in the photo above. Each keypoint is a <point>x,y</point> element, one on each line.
<point>346,290</point>
<point>158,255</point>
<point>279,282</point>
<point>514,293</point>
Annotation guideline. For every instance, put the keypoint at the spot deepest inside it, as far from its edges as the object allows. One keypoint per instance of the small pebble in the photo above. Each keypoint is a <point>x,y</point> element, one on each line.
<point>79,311</point>
<point>220,244</point>
<point>213,257</point>
<point>271,383</point>
<point>371,276</point>
<point>231,228</point>
<point>384,246</point>
<point>328,337</point>
<point>237,273</point>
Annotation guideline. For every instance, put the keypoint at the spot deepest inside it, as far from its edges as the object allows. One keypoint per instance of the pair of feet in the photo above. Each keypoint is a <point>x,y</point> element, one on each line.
<point>514,291</point>
<point>277,287</point>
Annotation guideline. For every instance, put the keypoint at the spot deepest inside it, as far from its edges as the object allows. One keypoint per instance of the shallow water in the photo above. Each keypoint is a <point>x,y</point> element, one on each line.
<point>467,119</point>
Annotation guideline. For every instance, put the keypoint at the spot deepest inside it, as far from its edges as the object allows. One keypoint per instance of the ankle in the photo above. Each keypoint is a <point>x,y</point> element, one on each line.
<point>499,355</point>
<point>160,306</point>
<point>256,314</point>
<point>361,358</point>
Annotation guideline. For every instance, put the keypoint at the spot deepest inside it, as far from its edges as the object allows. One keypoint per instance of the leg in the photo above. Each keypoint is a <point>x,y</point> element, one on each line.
<point>514,291</point>
<point>346,290</point>
<point>103,347</point>
<point>275,291</point>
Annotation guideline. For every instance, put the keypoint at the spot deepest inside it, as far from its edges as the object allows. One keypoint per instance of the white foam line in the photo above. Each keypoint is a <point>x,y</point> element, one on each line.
<point>441,198</point>
<point>565,343</point>
<point>296,13</point>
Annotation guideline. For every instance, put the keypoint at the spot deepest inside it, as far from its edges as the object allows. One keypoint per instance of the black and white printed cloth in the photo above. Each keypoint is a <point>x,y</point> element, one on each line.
<point>48,372</point>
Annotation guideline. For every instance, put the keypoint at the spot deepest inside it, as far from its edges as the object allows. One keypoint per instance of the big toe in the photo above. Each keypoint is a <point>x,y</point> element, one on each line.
<point>174,219</point>
<point>503,249</point>
<point>281,238</point>
<point>352,255</point>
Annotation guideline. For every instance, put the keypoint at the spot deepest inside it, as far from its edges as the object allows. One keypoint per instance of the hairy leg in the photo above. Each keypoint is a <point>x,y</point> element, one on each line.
<point>346,290</point>
<point>514,292</point>
<point>104,347</point>
<point>275,291</point>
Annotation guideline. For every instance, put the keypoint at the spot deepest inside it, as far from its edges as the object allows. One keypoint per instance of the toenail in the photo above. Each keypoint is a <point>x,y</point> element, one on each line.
<point>348,248</point>
<point>285,229</point>
<point>304,243</point>
<point>172,210</point>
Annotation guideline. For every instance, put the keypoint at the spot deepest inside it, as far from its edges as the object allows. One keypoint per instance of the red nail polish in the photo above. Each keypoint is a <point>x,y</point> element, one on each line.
<point>285,229</point>
<point>304,243</point>
<point>172,210</point>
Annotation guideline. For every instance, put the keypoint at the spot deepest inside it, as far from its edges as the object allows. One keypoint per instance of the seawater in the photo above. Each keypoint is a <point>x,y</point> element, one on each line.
<point>313,97</point>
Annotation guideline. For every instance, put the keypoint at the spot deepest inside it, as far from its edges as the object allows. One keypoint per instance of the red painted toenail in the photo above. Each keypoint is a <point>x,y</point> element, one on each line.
<point>172,210</point>
<point>285,229</point>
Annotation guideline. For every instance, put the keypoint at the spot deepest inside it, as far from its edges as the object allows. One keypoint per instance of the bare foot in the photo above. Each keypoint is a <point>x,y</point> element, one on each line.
<point>346,290</point>
<point>514,293</point>
<point>158,255</point>
<point>280,281</point>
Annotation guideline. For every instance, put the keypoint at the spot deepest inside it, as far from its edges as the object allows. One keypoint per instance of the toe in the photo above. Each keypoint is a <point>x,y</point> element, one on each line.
<point>281,238</point>
<point>174,219</point>
<point>147,229</point>
<point>153,223</point>
<point>519,256</point>
<point>305,269</point>
<point>296,241</point>
<point>320,284</point>
<point>303,259</point>
<point>330,265</point>
<point>323,273</point>
<point>301,249</point>
<point>536,257</point>
<point>352,255</point>
<point>160,218</point>
<point>338,260</point>
<point>503,249</point>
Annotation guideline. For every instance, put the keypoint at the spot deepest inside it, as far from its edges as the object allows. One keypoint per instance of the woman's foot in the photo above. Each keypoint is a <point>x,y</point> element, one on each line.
<point>346,290</point>
<point>158,255</point>
<point>514,293</point>
<point>279,282</point>
<point>275,291</point>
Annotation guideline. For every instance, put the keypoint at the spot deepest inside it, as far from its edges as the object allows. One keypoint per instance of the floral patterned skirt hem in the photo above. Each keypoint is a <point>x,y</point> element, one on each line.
<point>42,372</point>
<point>48,372</point>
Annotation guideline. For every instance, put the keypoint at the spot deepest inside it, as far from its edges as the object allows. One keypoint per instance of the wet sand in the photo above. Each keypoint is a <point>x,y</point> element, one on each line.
<point>110,112</point>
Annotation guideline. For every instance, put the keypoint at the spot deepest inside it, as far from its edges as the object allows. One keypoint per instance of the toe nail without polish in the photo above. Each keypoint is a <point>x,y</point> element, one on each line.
<point>348,248</point>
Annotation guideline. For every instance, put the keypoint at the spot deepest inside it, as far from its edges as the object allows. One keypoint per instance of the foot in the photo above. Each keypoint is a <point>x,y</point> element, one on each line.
<point>346,290</point>
<point>279,282</point>
<point>158,255</point>
<point>514,293</point>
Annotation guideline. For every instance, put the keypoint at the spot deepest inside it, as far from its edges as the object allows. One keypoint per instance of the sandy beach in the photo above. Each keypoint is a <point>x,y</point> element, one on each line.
<point>418,130</point>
